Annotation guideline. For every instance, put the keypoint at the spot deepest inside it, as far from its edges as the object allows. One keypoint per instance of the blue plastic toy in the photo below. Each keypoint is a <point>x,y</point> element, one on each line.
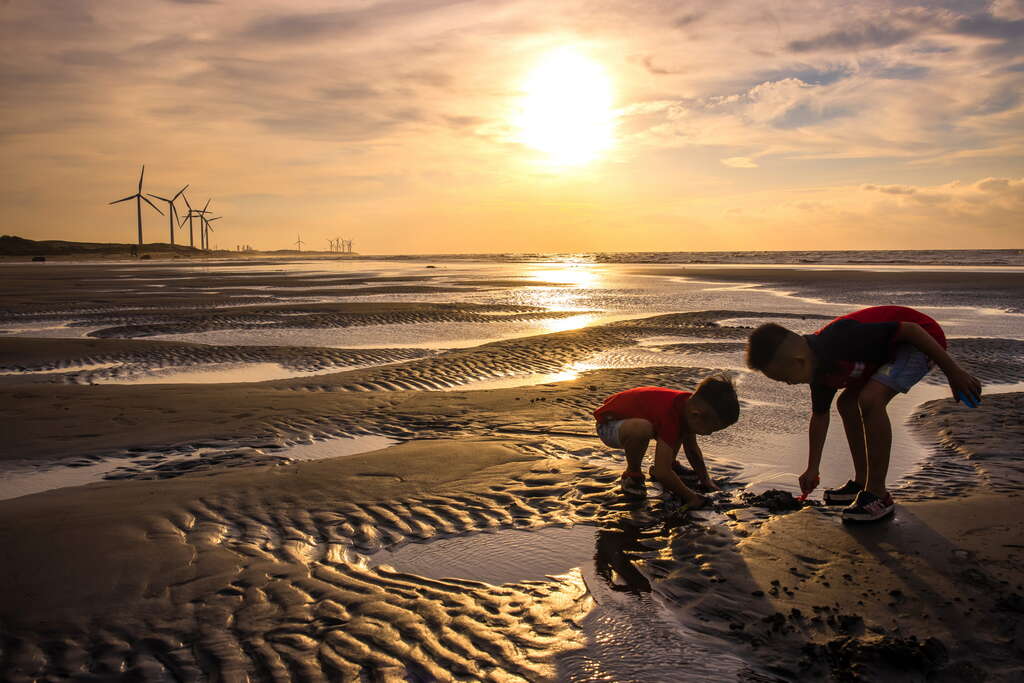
<point>968,400</point>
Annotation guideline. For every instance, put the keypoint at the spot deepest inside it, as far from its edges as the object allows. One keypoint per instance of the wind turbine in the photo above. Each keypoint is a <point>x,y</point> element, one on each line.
<point>207,229</point>
<point>172,213</point>
<point>299,242</point>
<point>139,198</point>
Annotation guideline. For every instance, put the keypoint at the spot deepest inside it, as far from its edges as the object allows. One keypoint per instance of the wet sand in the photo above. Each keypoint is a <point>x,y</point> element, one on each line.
<point>250,565</point>
<point>999,288</point>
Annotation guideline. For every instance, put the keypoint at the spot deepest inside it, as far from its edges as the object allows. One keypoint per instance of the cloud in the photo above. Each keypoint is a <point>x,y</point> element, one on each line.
<point>985,196</point>
<point>891,189</point>
<point>1008,9</point>
<point>739,162</point>
<point>855,37</point>
<point>337,23</point>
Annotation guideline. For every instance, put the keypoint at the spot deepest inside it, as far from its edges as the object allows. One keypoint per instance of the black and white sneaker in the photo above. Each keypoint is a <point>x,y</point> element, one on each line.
<point>868,508</point>
<point>844,495</point>
<point>633,484</point>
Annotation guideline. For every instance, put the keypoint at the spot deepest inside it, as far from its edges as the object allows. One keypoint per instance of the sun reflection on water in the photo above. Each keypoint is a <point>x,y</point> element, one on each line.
<point>576,275</point>
<point>574,322</point>
<point>573,284</point>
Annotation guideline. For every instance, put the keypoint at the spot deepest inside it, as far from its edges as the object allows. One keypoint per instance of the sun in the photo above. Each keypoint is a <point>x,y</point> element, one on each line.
<point>567,109</point>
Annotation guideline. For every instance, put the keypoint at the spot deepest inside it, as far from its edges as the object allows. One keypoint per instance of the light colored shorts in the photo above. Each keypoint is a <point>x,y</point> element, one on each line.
<point>905,370</point>
<point>609,433</point>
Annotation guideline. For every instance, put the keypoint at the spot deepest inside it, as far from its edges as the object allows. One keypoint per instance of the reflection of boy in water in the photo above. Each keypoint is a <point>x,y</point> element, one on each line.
<point>631,418</point>
<point>871,354</point>
<point>613,564</point>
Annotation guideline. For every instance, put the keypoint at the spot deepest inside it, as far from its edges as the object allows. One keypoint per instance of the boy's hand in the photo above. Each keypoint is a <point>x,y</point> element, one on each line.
<point>695,501</point>
<point>706,484</point>
<point>962,382</point>
<point>809,481</point>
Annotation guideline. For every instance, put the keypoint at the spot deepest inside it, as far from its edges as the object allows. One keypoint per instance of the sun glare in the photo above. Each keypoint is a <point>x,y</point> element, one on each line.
<point>567,109</point>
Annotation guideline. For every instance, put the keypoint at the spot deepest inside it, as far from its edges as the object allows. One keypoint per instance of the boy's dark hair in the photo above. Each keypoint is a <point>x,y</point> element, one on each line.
<point>763,344</point>
<point>719,393</point>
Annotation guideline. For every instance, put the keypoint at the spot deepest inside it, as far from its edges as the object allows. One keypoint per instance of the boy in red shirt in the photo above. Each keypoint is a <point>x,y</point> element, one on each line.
<point>871,354</point>
<point>631,418</point>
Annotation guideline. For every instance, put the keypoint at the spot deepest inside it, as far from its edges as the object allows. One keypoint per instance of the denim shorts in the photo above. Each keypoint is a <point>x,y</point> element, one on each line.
<point>905,370</point>
<point>609,433</point>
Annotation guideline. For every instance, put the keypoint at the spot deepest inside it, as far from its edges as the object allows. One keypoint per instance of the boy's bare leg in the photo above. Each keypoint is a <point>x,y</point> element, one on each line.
<point>634,435</point>
<point>873,400</point>
<point>853,424</point>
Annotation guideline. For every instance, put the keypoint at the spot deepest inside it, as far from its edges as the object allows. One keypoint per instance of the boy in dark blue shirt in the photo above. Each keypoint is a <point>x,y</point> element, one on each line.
<point>871,354</point>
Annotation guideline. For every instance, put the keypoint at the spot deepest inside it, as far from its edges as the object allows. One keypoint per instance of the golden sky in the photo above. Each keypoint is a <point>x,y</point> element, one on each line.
<point>437,126</point>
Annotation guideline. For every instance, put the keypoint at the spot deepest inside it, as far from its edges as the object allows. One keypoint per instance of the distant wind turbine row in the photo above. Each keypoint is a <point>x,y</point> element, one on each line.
<point>173,216</point>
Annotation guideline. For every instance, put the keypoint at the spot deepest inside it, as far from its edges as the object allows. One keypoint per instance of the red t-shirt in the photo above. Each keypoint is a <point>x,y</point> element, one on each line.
<point>852,347</point>
<point>661,407</point>
<point>894,314</point>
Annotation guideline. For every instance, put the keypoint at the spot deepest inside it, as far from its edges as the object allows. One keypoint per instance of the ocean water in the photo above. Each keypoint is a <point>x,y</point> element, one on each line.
<point>910,257</point>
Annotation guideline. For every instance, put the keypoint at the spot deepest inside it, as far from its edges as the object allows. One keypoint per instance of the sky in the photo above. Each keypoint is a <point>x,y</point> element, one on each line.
<point>445,126</point>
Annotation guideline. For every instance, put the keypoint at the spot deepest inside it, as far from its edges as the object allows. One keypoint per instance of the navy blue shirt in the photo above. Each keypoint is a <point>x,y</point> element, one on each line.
<point>847,351</point>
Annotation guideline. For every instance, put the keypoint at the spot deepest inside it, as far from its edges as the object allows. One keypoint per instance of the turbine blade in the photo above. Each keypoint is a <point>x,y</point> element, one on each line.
<point>153,205</point>
<point>180,191</point>
<point>156,196</point>
<point>207,204</point>
<point>133,196</point>
<point>140,177</point>
<point>185,197</point>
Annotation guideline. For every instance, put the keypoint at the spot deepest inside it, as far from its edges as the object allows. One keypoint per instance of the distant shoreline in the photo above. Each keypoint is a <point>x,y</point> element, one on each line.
<point>13,248</point>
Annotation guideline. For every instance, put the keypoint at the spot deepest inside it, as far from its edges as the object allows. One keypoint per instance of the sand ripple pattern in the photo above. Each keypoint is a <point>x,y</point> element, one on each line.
<point>967,445</point>
<point>299,359</point>
<point>993,361</point>
<point>549,353</point>
<point>300,604</point>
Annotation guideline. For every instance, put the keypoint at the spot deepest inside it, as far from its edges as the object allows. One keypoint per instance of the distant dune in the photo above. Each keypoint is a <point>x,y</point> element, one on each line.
<point>13,246</point>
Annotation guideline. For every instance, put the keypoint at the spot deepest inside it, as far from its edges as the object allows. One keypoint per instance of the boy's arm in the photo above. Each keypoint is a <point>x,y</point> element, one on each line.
<point>696,459</point>
<point>817,430</point>
<point>960,381</point>
<point>664,456</point>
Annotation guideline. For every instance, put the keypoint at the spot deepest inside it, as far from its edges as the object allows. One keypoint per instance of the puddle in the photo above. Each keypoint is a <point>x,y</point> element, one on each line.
<point>225,373</point>
<point>635,637</point>
<point>437,335</point>
<point>19,479</point>
<point>450,335</point>
<point>794,324</point>
<point>504,556</point>
<point>637,357</point>
<point>513,381</point>
<point>49,331</point>
<point>22,481</point>
<point>70,368</point>
<point>334,448</point>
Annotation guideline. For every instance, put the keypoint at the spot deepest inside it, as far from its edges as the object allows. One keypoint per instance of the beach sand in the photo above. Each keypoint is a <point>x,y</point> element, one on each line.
<point>251,566</point>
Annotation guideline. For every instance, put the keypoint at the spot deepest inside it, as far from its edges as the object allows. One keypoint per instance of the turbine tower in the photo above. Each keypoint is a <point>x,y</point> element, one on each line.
<point>139,198</point>
<point>172,213</point>
<point>190,215</point>
<point>207,229</point>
